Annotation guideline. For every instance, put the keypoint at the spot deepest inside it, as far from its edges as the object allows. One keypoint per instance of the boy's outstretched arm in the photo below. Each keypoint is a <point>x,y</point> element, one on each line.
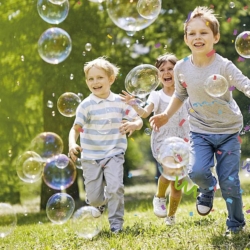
<point>130,126</point>
<point>159,120</point>
<point>74,148</point>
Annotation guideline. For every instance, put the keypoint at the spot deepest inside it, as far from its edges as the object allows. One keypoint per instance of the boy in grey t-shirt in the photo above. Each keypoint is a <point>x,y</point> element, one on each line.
<point>214,122</point>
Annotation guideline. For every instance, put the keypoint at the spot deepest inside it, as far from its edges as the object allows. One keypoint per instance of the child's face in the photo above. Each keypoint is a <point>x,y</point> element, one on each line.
<point>199,37</point>
<point>166,75</point>
<point>99,82</point>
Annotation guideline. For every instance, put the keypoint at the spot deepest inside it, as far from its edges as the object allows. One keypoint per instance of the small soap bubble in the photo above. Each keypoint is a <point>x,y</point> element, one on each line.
<point>50,104</point>
<point>88,46</point>
<point>142,80</point>
<point>60,207</point>
<point>231,5</point>
<point>242,44</point>
<point>67,104</point>
<point>216,85</point>
<point>149,9</point>
<point>62,161</point>
<point>57,1</point>
<point>71,77</point>
<point>84,53</point>
<point>148,131</point>
<point>22,58</point>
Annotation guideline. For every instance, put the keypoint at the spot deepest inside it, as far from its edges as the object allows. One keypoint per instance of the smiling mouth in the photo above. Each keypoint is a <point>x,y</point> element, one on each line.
<point>167,79</point>
<point>199,45</point>
<point>96,88</point>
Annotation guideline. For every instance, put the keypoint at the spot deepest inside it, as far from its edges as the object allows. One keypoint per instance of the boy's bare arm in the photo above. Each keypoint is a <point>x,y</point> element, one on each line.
<point>159,120</point>
<point>74,148</point>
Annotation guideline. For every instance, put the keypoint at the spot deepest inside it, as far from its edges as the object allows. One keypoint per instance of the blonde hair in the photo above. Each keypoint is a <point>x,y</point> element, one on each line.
<point>167,57</point>
<point>102,63</point>
<point>207,15</point>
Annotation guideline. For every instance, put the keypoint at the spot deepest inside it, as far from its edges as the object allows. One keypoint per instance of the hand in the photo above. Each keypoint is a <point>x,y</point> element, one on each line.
<point>126,97</point>
<point>127,127</point>
<point>74,152</point>
<point>157,121</point>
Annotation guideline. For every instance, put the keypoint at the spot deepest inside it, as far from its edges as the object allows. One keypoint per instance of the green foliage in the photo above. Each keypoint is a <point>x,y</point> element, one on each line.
<point>27,83</point>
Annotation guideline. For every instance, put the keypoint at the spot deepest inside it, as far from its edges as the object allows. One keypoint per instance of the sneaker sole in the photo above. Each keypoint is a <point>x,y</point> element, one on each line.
<point>202,214</point>
<point>160,215</point>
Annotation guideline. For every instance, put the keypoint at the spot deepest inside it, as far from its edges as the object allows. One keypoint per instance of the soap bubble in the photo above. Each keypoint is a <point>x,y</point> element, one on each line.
<point>231,5</point>
<point>216,85</point>
<point>57,1</point>
<point>103,125</point>
<point>88,46</point>
<point>8,219</point>
<point>60,207</point>
<point>173,157</point>
<point>47,144</point>
<point>148,131</point>
<point>242,44</point>
<point>125,15</point>
<point>141,80</point>
<point>29,167</point>
<point>87,222</point>
<point>59,178</point>
<point>149,9</point>
<point>53,11</point>
<point>67,104</point>
<point>62,160</point>
<point>54,45</point>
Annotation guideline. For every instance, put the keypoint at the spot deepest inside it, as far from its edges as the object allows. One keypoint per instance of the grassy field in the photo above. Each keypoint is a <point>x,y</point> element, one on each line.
<point>142,229</point>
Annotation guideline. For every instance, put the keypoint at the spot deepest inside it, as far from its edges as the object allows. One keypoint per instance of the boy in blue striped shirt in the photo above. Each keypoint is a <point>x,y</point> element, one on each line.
<point>100,122</point>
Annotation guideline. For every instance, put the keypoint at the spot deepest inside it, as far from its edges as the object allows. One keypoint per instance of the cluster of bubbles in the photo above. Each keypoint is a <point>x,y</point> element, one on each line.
<point>173,157</point>
<point>242,44</point>
<point>55,44</point>
<point>142,80</point>
<point>67,104</point>
<point>87,222</point>
<point>8,219</point>
<point>216,85</point>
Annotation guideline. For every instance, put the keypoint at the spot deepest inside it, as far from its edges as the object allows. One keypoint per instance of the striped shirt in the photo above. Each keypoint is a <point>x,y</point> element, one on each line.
<point>100,120</point>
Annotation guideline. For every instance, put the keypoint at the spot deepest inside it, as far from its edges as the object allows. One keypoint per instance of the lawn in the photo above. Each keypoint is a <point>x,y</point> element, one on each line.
<point>142,229</point>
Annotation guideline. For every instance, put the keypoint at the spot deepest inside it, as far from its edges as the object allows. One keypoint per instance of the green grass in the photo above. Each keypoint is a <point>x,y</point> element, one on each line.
<point>142,229</point>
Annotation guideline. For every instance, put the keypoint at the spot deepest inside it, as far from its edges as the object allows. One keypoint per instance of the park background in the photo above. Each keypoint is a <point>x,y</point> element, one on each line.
<point>27,82</point>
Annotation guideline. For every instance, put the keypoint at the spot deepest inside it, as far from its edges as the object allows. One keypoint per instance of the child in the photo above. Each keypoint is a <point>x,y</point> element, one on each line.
<point>214,122</point>
<point>157,102</point>
<point>99,122</point>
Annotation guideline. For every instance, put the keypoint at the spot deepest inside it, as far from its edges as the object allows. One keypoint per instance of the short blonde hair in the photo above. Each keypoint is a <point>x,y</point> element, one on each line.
<point>207,15</point>
<point>102,63</point>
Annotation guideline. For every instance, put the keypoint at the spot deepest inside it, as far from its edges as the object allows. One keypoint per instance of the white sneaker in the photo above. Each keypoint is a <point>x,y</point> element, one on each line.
<point>160,209</point>
<point>170,220</point>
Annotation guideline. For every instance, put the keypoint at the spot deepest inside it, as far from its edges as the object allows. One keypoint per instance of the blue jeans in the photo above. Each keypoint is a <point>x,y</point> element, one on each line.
<point>226,149</point>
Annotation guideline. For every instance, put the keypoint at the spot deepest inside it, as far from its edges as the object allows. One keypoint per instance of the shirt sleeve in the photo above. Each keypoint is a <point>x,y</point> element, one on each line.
<point>154,98</point>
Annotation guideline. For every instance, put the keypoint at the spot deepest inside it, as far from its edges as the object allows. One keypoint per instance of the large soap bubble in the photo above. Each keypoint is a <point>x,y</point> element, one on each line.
<point>242,44</point>
<point>125,15</point>
<point>53,11</point>
<point>141,80</point>
<point>67,104</point>
<point>216,85</point>
<point>54,45</point>
<point>56,177</point>
<point>149,9</point>
<point>86,222</point>
<point>173,156</point>
<point>8,219</point>
<point>47,144</point>
<point>29,167</point>
<point>60,207</point>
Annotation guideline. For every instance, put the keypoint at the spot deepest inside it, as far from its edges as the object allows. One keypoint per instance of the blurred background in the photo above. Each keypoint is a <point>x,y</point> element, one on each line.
<point>30,86</point>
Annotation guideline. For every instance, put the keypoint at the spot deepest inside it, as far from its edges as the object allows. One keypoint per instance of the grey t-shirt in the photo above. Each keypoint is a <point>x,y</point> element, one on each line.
<point>207,114</point>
